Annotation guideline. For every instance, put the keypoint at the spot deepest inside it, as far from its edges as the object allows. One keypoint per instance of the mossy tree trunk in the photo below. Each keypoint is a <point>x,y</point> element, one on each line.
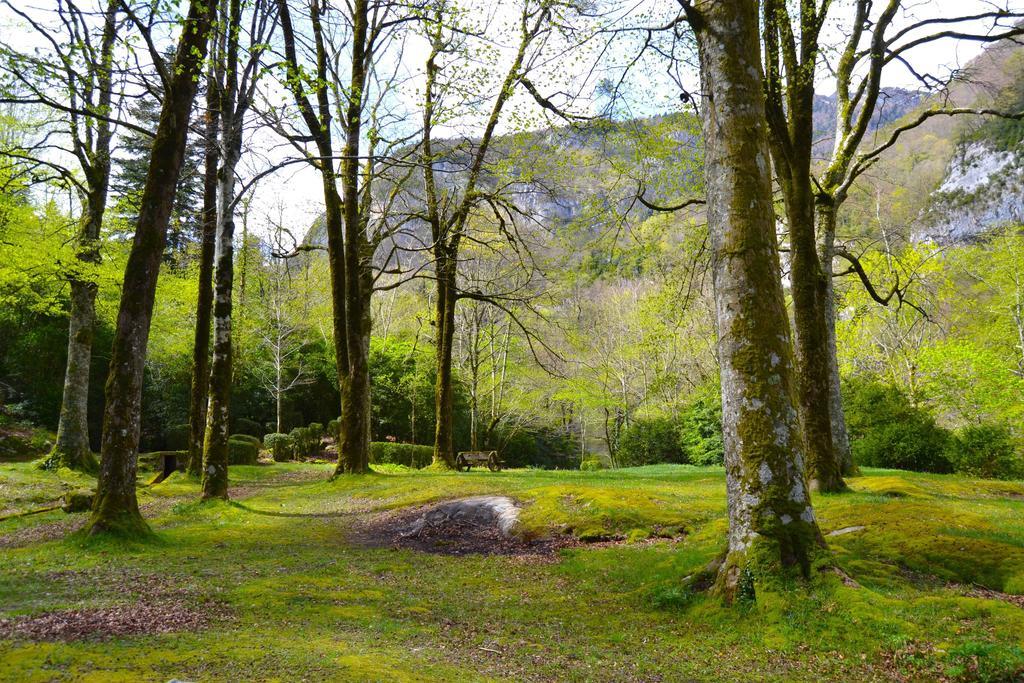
<point>773,534</point>
<point>354,427</point>
<point>346,214</point>
<point>116,506</point>
<point>199,391</point>
<point>825,219</point>
<point>789,111</point>
<point>236,87</point>
<point>92,147</point>
<point>445,266</point>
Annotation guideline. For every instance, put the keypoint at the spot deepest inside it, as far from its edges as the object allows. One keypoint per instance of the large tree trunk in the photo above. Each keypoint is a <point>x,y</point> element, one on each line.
<point>116,507</point>
<point>444,449</point>
<point>199,395</point>
<point>825,212</point>
<point>772,529</point>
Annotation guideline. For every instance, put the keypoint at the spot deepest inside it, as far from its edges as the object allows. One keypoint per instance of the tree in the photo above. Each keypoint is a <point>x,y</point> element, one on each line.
<point>116,507</point>
<point>234,97</point>
<point>355,37</point>
<point>450,204</point>
<point>877,41</point>
<point>82,61</point>
<point>773,533</point>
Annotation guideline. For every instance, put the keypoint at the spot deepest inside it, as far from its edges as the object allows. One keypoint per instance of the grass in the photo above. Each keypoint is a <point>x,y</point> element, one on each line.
<point>932,561</point>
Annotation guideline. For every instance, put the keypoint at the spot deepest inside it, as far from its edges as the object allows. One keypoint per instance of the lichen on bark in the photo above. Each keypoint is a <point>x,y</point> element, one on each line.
<point>773,534</point>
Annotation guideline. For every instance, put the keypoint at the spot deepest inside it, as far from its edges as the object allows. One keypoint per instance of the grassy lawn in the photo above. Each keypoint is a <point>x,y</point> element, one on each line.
<point>938,565</point>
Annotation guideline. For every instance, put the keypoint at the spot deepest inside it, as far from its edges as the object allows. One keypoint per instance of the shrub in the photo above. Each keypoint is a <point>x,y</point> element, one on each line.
<point>242,451</point>
<point>248,427</point>
<point>307,444</point>
<point>316,428</point>
<point>591,463</point>
<point>281,446</point>
<point>333,428</point>
<point>408,454</point>
<point>700,430</point>
<point>176,437</point>
<point>989,451</point>
<point>649,441</point>
<point>887,430</point>
<point>248,437</point>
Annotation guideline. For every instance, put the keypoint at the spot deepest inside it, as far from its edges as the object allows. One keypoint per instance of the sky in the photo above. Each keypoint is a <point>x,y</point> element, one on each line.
<point>294,194</point>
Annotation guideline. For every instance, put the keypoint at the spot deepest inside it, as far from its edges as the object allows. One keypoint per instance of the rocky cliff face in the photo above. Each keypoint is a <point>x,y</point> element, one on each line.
<point>983,189</point>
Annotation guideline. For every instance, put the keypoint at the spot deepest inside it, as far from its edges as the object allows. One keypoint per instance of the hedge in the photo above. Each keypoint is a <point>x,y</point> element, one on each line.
<point>408,454</point>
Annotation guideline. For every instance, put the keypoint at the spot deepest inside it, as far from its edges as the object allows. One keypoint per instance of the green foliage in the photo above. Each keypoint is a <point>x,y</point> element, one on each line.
<point>700,429</point>
<point>246,426</point>
<point>281,446</point>
<point>989,451</point>
<point>333,428</point>
<point>886,430</point>
<point>316,428</point>
<point>408,454</point>
<point>176,437</point>
<point>242,450</point>
<point>306,442</point>
<point>649,441</point>
<point>538,446</point>
<point>591,463</point>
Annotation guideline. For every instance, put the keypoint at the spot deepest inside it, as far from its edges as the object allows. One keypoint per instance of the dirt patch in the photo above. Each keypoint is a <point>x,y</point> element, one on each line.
<point>482,526</point>
<point>141,618</point>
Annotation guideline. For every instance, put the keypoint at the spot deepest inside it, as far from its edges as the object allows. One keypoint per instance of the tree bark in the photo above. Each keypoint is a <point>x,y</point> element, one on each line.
<point>444,449</point>
<point>116,507</point>
<point>199,393</point>
<point>773,533</point>
<point>218,412</point>
<point>825,218</point>
<point>72,448</point>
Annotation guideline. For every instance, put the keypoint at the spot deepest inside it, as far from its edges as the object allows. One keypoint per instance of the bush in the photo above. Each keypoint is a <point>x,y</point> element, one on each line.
<point>988,451</point>
<point>408,454</point>
<point>316,428</point>
<point>176,437</point>
<point>700,430</point>
<point>333,428</point>
<point>591,463</point>
<point>281,446</point>
<point>306,443</point>
<point>255,440</point>
<point>887,430</point>
<point>248,427</point>
<point>649,441</point>
<point>242,451</point>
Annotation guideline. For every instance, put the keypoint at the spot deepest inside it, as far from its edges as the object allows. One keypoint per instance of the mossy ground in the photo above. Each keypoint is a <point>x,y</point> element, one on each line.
<point>306,604</point>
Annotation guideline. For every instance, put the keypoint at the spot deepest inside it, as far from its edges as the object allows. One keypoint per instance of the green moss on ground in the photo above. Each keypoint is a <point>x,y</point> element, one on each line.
<point>295,599</point>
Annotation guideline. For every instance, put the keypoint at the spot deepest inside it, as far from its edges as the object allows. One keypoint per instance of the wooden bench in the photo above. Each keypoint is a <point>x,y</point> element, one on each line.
<point>467,459</point>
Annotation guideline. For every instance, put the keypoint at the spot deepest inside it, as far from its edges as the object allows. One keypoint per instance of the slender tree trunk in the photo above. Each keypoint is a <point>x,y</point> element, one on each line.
<point>116,507</point>
<point>72,447</point>
<point>825,211</point>
<point>810,289</point>
<point>772,529</point>
<point>354,448</point>
<point>215,445</point>
<point>199,393</point>
<point>444,449</point>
